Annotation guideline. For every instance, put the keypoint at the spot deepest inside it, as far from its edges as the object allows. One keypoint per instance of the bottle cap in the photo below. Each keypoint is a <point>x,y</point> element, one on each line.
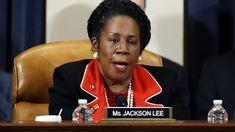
<point>82,101</point>
<point>217,102</point>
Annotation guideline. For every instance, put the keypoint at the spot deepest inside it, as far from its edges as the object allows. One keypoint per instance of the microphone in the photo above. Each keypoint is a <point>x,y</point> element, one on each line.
<point>121,101</point>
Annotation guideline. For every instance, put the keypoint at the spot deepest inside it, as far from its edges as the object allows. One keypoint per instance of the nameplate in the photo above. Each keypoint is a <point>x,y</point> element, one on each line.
<point>138,113</point>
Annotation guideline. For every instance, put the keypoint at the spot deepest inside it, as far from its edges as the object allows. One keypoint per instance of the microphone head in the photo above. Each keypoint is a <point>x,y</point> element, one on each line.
<point>121,101</point>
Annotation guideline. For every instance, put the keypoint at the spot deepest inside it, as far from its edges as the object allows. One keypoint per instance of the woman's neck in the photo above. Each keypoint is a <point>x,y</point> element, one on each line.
<point>117,87</point>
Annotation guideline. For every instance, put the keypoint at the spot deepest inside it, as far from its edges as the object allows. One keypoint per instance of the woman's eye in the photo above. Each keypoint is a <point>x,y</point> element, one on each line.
<point>114,40</point>
<point>132,41</point>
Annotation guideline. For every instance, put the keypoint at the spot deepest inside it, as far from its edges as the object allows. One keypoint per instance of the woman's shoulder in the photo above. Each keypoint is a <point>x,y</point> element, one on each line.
<point>74,64</point>
<point>72,67</point>
<point>162,74</point>
<point>158,70</point>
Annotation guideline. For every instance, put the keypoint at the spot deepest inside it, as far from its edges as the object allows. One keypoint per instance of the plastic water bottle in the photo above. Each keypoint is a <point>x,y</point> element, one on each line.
<point>217,114</point>
<point>82,113</point>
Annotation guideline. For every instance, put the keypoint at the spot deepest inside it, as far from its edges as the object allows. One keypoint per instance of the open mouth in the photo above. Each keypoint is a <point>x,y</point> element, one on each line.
<point>120,66</point>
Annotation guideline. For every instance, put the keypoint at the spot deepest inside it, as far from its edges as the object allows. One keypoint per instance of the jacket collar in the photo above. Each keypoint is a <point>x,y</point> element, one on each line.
<point>145,86</point>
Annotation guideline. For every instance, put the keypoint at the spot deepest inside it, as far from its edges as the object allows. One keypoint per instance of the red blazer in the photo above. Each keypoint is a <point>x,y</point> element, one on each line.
<point>152,86</point>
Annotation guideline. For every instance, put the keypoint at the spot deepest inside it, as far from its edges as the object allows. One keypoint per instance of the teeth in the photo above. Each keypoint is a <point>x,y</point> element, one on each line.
<point>120,66</point>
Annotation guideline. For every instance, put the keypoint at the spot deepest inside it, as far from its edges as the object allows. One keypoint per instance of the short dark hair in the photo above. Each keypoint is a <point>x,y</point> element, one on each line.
<point>109,8</point>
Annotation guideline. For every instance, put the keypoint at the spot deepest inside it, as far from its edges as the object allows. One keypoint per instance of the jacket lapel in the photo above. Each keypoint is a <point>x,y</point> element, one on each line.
<point>145,87</point>
<point>92,83</point>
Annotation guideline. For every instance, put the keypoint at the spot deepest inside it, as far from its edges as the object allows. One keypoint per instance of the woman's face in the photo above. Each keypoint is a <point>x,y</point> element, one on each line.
<point>119,48</point>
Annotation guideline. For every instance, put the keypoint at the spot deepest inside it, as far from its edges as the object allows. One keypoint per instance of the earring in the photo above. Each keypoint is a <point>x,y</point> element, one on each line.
<point>139,58</point>
<point>95,55</point>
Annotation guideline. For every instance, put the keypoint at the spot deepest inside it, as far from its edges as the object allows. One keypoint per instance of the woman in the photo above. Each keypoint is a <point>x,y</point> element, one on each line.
<point>119,31</point>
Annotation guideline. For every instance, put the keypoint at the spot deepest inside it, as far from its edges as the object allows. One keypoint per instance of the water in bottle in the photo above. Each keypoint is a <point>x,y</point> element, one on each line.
<point>82,112</point>
<point>217,114</point>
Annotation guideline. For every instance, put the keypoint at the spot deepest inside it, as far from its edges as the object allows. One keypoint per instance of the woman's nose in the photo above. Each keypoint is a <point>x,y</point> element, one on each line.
<point>123,48</point>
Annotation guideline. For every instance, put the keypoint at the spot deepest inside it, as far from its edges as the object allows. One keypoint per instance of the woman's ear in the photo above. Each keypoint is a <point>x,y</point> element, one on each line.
<point>140,57</point>
<point>94,44</point>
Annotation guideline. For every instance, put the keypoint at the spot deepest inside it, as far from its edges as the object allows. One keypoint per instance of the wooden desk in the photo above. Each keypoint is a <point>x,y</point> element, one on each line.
<point>116,126</point>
